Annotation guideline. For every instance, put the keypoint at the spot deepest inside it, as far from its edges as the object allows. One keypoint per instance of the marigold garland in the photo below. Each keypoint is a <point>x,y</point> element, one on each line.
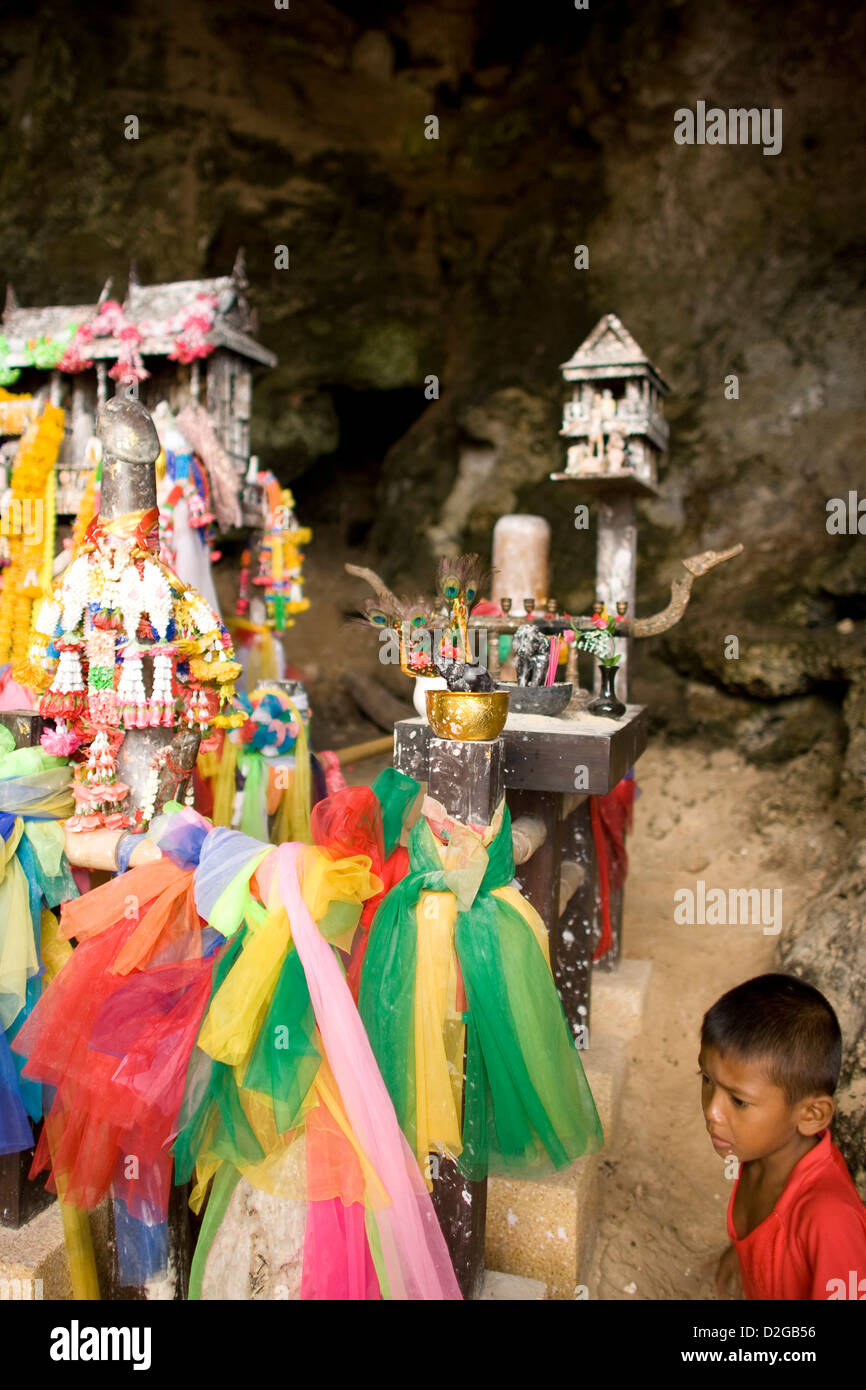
<point>16,412</point>
<point>87,510</point>
<point>28,522</point>
<point>46,573</point>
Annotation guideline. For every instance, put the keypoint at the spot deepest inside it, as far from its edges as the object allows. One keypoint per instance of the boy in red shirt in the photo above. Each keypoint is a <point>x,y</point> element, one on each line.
<point>769,1064</point>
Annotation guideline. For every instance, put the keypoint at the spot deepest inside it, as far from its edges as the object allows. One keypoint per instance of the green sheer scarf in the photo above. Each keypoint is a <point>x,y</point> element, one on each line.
<point>527,1104</point>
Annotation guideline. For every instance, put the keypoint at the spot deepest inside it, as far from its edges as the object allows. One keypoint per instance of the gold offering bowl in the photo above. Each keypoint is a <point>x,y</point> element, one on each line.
<point>467,715</point>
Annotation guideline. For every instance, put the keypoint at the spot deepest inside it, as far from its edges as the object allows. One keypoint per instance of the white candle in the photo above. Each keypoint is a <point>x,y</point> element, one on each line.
<point>521,549</point>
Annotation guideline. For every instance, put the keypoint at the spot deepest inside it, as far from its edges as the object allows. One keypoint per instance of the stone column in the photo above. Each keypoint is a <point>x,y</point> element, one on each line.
<point>616,569</point>
<point>130,446</point>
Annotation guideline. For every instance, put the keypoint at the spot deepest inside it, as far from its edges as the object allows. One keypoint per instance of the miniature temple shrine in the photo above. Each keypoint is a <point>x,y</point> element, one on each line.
<point>182,341</point>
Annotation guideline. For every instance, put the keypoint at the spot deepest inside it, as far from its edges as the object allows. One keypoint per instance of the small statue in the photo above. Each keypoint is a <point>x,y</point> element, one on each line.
<point>596,428</point>
<point>615,452</point>
<point>576,459</point>
<point>531,653</point>
<point>631,404</point>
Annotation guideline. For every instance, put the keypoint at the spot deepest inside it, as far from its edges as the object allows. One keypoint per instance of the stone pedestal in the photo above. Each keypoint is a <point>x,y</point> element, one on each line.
<point>258,1251</point>
<point>545,1228</point>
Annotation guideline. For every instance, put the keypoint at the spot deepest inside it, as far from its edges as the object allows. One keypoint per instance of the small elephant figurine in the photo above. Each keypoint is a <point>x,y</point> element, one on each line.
<point>462,675</point>
<point>531,652</point>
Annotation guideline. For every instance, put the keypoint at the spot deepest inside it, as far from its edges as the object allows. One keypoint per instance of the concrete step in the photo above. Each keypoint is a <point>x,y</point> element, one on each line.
<point>618,998</point>
<point>33,1260</point>
<point>605,1062</point>
<point>542,1228</point>
<point>545,1228</point>
<point>497,1288</point>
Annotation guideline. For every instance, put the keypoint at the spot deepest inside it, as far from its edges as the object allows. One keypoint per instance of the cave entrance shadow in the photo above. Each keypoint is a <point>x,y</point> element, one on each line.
<point>341,488</point>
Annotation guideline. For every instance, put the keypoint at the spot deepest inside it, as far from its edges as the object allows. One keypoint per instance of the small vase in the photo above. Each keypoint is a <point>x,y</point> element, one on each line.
<point>422,685</point>
<point>607,703</point>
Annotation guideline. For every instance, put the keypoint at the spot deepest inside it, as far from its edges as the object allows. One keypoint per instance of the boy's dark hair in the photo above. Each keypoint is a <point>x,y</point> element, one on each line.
<point>785,1023</point>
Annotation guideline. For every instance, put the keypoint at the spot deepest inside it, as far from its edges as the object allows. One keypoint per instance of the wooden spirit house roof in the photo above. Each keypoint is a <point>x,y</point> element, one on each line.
<point>21,326</point>
<point>149,306</point>
<point>610,351</point>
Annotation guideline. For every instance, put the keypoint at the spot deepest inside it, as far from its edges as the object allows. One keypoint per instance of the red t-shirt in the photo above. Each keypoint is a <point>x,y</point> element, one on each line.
<point>813,1243</point>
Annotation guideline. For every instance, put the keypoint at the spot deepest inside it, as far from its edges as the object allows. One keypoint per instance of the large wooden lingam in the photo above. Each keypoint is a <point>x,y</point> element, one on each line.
<point>130,447</point>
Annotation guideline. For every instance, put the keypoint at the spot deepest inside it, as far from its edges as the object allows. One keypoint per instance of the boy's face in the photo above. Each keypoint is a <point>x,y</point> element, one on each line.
<point>746,1115</point>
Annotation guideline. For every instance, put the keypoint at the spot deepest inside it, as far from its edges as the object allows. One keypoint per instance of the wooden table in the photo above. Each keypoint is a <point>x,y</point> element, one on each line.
<point>551,768</point>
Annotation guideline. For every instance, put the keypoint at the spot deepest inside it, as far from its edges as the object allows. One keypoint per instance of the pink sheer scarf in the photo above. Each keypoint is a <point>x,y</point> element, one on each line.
<point>414,1255</point>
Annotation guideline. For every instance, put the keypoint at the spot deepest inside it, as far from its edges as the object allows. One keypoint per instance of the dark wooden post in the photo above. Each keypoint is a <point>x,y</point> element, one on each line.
<point>180,1249</point>
<point>573,940</point>
<point>21,1199</point>
<point>541,767</point>
<point>467,778</point>
<point>539,877</point>
<point>572,932</point>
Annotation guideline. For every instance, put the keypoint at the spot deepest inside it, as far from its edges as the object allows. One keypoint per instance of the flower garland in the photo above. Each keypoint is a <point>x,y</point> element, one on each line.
<point>46,572</point>
<point>115,611</point>
<point>44,352</point>
<point>281,560</point>
<point>28,522</point>
<point>189,329</point>
<point>184,478</point>
<point>16,412</point>
<point>88,507</point>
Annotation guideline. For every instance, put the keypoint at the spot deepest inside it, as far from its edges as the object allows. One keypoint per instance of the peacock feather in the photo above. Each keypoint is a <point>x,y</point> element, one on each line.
<point>461,577</point>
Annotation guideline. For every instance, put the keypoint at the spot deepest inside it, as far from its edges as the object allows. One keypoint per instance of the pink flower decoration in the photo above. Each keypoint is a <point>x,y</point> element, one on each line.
<point>126,371</point>
<point>59,745</point>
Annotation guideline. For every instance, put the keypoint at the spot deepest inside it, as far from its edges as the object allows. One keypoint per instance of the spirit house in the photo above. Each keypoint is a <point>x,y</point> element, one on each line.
<point>615,416</point>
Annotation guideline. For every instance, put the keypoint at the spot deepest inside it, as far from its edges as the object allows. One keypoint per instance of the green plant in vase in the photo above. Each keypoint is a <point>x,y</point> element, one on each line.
<point>599,641</point>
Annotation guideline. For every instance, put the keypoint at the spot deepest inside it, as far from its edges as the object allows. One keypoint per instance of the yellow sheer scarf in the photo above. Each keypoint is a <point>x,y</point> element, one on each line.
<point>18,957</point>
<point>236,1015</point>
<point>439,1029</point>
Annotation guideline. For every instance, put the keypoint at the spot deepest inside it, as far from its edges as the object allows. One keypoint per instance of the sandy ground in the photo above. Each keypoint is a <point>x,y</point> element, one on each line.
<point>702,815</point>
